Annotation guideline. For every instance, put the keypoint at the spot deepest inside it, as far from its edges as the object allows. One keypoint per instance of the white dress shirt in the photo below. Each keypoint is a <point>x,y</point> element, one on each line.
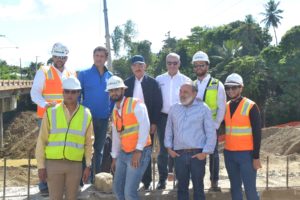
<point>170,87</point>
<point>141,114</point>
<point>221,102</point>
<point>38,85</point>
<point>138,90</point>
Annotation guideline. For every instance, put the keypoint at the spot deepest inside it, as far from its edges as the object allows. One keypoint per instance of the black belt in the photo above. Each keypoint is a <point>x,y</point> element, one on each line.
<point>193,150</point>
<point>164,114</point>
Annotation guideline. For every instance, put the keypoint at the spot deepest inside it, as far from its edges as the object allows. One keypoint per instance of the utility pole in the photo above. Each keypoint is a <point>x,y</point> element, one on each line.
<point>107,36</point>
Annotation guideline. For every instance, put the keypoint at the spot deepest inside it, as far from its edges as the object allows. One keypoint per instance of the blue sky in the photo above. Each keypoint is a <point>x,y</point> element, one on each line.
<point>35,25</point>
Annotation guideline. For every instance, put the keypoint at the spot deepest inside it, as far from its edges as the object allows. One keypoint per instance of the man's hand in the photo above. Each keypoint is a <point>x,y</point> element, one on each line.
<point>42,174</point>
<point>113,165</point>
<point>200,156</point>
<point>256,164</point>
<point>153,129</point>
<point>86,174</point>
<point>136,157</point>
<point>172,153</point>
<point>50,104</point>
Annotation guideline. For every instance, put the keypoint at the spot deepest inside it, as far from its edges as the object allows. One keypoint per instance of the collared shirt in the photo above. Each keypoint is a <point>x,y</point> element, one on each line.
<point>221,102</point>
<point>190,127</point>
<point>38,86</point>
<point>141,114</point>
<point>94,96</point>
<point>42,140</point>
<point>138,90</point>
<point>170,87</point>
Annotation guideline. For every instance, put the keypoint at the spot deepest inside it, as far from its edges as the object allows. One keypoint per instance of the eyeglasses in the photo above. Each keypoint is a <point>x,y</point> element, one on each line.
<point>200,65</point>
<point>60,57</point>
<point>172,63</point>
<point>227,88</point>
<point>70,91</point>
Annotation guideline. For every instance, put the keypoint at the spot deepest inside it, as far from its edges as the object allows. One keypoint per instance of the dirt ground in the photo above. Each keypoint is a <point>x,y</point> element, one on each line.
<point>278,143</point>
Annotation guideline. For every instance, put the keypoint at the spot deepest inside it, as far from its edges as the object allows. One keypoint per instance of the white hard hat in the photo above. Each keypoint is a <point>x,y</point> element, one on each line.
<point>200,56</point>
<point>59,49</point>
<point>71,83</point>
<point>234,79</point>
<point>115,82</point>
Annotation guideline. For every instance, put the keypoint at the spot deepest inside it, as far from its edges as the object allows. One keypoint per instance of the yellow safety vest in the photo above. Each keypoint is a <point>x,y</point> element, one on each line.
<point>211,95</point>
<point>66,141</point>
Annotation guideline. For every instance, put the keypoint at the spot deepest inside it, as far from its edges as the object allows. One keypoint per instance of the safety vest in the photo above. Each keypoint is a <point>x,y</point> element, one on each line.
<point>238,127</point>
<point>52,90</point>
<point>66,140</point>
<point>211,95</point>
<point>128,126</point>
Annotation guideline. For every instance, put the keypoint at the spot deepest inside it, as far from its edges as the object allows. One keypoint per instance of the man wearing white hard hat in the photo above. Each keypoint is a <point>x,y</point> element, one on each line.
<point>46,90</point>
<point>131,142</point>
<point>211,91</point>
<point>242,140</point>
<point>65,138</point>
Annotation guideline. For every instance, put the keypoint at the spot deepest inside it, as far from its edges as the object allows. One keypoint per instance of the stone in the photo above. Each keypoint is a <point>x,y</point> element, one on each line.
<point>103,182</point>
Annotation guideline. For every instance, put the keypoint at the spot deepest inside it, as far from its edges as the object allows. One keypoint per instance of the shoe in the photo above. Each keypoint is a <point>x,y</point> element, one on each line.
<point>214,187</point>
<point>161,185</point>
<point>170,176</point>
<point>44,192</point>
<point>145,188</point>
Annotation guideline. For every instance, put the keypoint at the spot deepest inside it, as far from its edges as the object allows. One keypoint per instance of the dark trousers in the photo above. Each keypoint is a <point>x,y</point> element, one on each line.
<point>162,158</point>
<point>187,167</point>
<point>214,162</point>
<point>147,177</point>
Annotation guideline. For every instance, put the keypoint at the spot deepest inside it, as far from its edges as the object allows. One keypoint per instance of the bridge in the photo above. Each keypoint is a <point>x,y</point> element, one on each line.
<point>10,90</point>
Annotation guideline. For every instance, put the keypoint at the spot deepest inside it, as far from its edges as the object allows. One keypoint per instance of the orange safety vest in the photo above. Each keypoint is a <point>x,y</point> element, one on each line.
<point>128,126</point>
<point>52,90</point>
<point>238,127</point>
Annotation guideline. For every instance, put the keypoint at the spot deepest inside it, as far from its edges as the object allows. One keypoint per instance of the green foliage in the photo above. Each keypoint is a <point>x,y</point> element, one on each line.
<point>290,42</point>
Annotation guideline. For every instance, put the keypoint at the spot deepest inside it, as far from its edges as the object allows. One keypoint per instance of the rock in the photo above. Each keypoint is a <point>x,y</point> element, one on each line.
<point>103,182</point>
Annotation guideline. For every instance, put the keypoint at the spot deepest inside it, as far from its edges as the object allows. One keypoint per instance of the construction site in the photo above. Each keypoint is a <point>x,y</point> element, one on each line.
<point>278,179</point>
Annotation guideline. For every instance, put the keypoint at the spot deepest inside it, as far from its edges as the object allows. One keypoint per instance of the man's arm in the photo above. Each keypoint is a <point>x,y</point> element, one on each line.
<point>89,142</point>
<point>255,119</point>
<point>157,103</point>
<point>210,131</point>
<point>141,114</point>
<point>37,89</point>
<point>221,105</point>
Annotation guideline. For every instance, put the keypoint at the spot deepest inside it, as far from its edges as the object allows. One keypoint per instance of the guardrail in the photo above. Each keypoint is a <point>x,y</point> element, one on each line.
<point>15,83</point>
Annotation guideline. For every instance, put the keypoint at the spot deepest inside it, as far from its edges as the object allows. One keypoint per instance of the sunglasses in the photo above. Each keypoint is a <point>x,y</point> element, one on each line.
<point>71,91</point>
<point>201,65</point>
<point>227,88</point>
<point>172,63</point>
<point>60,57</point>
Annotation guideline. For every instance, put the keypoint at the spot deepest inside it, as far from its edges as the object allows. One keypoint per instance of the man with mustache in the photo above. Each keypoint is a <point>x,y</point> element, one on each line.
<point>147,90</point>
<point>131,143</point>
<point>189,138</point>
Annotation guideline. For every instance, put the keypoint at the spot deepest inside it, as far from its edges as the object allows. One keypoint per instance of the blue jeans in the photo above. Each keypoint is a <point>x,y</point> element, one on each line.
<point>239,166</point>
<point>186,167</point>
<point>214,161</point>
<point>42,185</point>
<point>162,158</point>
<point>127,178</point>
<point>100,129</point>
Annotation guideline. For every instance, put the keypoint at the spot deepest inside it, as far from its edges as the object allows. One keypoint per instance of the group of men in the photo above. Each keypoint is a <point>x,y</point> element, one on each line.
<point>185,114</point>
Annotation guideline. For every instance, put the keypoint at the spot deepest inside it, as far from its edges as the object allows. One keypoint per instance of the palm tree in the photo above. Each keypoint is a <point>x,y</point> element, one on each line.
<point>272,16</point>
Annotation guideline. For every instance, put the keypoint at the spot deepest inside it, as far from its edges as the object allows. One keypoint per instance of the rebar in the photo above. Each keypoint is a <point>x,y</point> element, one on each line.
<point>287,171</point>
<point>28,176</point>
<point>267,174</point>
<point>4,178</point>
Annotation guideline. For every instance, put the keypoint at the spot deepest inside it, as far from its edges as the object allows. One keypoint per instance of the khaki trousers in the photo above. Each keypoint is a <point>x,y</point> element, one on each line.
<point>63,176</point>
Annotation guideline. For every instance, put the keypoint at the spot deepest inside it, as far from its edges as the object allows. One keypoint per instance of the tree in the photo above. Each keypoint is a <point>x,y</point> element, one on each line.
<point>272,16</point>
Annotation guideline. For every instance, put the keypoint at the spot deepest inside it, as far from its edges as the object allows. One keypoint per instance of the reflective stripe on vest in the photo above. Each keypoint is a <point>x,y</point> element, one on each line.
<point>211,96</point>
<point>238,127</point>
<point>130,131</point>
<point>52,90</point>
<point>66,141</point>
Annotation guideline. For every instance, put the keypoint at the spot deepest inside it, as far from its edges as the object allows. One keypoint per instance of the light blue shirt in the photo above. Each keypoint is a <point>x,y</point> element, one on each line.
<point>190,127</point>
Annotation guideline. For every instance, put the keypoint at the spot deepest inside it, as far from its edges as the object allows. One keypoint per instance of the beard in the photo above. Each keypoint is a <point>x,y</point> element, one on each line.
<point>117,98</point>
<point>186,101</point>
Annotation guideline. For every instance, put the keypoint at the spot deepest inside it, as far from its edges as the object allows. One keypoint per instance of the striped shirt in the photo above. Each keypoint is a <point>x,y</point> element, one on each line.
<point>190,127</point>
